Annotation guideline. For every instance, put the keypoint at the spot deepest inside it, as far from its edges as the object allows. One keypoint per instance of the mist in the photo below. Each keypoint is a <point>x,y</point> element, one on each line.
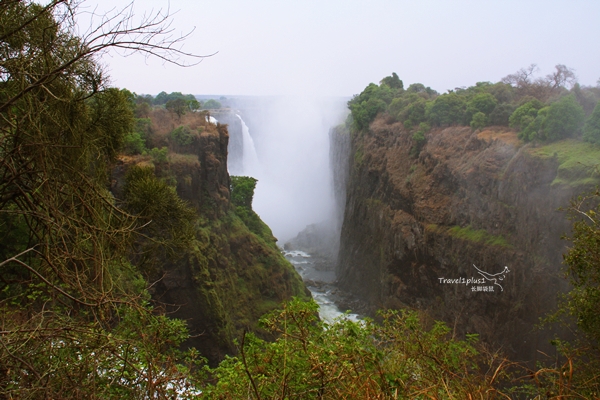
<point>290,136</point>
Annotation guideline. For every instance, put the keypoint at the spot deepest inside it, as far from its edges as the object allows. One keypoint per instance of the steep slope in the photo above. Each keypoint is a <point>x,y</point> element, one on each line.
<point>469,199</point>
<point>227,276</point>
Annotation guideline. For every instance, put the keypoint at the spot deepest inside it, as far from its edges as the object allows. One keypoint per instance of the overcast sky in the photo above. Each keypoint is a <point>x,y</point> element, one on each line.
<point>337,47</point>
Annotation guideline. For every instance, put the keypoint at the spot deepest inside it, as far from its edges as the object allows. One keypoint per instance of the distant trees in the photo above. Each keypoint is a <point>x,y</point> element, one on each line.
<point>541,109</point>
<point>565,118</point>
<point>591,130</point>
<point>393,81</point>
<point>447,109</point>
<point>212,104</point>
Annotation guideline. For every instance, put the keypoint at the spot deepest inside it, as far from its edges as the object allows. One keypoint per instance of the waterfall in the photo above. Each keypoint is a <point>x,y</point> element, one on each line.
<point>250,164</point>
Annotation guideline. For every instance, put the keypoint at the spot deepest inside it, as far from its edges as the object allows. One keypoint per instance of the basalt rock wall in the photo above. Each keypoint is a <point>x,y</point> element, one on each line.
<point>416,223</point>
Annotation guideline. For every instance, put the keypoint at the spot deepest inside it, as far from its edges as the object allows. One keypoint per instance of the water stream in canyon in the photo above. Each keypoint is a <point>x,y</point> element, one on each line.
<point>316,270</point>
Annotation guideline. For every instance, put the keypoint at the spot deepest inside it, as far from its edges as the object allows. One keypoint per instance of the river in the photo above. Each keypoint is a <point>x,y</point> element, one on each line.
<point>319,276</point>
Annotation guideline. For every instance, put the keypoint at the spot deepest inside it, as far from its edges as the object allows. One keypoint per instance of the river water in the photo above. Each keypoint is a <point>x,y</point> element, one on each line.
<point>319,277</point>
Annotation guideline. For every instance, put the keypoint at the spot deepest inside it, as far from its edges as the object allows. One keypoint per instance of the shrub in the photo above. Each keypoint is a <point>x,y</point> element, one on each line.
<point>447,109</point>
<point>565,118</point>
<point>182,136</point>
<point>133,143</point>
<point>242,191</point>
<point>591,130</point>
<point>479,121</point>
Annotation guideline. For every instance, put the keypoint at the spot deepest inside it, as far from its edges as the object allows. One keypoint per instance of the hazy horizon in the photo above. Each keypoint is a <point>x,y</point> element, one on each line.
<point>336,48</point>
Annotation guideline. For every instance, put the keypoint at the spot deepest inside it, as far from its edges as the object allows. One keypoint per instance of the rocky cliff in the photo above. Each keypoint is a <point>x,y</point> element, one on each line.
<point>415,226</point>
<point>228,275</point>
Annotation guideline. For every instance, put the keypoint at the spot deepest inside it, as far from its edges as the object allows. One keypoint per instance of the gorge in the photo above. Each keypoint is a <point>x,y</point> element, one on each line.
<point>471,201</point>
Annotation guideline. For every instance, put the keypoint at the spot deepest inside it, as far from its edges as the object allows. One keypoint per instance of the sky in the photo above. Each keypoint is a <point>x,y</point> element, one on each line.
<point>337,47</point>
<point>316,54</point>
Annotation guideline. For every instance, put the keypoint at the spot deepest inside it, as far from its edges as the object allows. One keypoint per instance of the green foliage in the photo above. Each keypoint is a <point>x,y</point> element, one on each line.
<point>525,114</point>
<point>447,109</point>
<point>565,118</point>
<point>479,120</point>
<point>534,129</point>
<point>242,191</point>
<point>393,81</point>
<point>369,103</point>
<point>477,236</point>
<point>419,139</point>
<point>501,114</point>
<point>482,102</point>
<point>399,358</point>
<point>159,155</point>
<point>212,104</point>
<point>182,136</point>
<point>134,143</point>
<point>559,120</point>
<point>591,130</point>
<point>163,98</point>
<point>583,263</point>
<point>73,310</point>
<point>576,162</point>
<point>178,106</point>
<point>167,219</point>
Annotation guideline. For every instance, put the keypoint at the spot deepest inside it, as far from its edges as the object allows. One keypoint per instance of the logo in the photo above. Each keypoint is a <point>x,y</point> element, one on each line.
<point>476,283</point>
<point>494,277</point>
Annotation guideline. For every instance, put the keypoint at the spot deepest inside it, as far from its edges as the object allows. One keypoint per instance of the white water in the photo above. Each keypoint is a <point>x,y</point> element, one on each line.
<point>250,163</point>
<point>321,290</point>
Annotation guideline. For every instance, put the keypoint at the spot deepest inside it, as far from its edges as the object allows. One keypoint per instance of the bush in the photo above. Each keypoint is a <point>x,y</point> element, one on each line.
<point>399,358</point>
<point>479,121</point>
<point>133,143</point>
<point>525,114</point>
<point>242,191</point>
<point>182,136</point>
<point>447,109</point>
<point>591,130</point>
<point>159,155</point>
<point>565,118</point>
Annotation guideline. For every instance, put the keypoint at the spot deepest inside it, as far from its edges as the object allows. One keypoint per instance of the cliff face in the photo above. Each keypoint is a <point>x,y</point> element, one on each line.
<point>469,198</point>
<point>228,276</point>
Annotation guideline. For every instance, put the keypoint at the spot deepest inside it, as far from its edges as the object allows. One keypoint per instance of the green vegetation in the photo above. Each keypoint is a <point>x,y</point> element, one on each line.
<point>397,358</point>
<point>77,321</point>
<point>480,236</point>
<point>477,236</point>
<point>543,110</point>
<point>591,131</point>
<point>242,190</point>
<point>78,263</point>
<point>577,161</point>
<point>212,104</point>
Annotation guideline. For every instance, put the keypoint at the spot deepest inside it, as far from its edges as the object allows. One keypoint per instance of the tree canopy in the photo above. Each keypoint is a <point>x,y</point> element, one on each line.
<point>72,307</point>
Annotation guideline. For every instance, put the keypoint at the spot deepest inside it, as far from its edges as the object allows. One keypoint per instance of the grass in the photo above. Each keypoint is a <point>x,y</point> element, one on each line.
<point>480,236</point>
<point>578,161</point>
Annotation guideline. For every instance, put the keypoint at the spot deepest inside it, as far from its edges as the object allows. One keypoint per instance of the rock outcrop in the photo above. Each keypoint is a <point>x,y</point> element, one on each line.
<point>468,199</point>
<point>229,276</point>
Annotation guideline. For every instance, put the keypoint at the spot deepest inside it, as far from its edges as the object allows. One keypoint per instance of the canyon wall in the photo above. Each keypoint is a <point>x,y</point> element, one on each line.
<point>230,274</point>
<point>414,224</point>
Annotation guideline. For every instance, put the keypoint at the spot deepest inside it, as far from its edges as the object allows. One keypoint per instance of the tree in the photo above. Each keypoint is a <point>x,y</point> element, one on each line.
<point>178,106</point>
<point>212,104</point>
<point>583,264</point>
<point>393,81</point>
<point>591,130</point>
<point>242,191</point>
<point>447,109</point>
<point>72,306</point>
<point>525,114</point>
<point>565,118</point>
<point>562,76</point>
